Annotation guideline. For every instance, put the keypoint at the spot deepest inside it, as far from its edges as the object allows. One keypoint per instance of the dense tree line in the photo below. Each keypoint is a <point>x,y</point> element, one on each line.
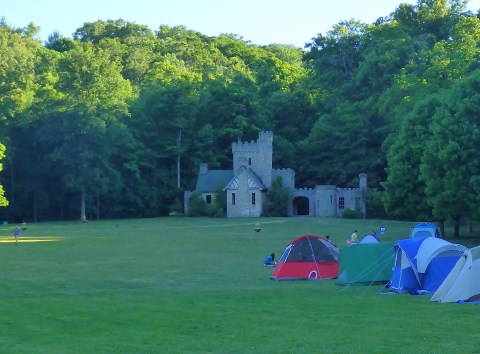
<point>114,121</point>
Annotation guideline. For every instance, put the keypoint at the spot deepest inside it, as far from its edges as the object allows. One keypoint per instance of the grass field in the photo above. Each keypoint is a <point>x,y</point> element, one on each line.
<point>197,285</point>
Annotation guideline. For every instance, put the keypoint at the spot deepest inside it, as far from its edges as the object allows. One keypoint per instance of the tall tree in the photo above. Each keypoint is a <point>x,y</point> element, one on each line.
<point>165,122</point>
<point>3,200</point>
<point>450,164</point>
<point>94,101</point>
<point>405,196</point>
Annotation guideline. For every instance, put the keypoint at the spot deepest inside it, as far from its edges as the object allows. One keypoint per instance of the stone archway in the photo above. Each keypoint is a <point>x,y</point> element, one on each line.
<point>304,201</point>
<point>301,206</point>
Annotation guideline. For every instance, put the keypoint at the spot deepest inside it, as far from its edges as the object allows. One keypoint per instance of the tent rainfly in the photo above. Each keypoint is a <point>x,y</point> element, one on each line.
<point>462,284</point>
<point>308,257</point>
<point>423,263</point>
<point>425,229</point>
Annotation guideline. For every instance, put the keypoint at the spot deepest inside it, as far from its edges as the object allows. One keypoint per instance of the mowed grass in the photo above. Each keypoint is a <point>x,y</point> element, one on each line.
<point>197,285</point>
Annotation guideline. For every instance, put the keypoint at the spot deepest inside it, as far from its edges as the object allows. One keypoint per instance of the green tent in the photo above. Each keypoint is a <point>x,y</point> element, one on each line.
<point>366,263</point>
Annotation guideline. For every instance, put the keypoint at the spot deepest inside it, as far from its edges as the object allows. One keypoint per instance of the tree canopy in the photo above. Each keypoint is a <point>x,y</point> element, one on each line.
<point>114,121</point>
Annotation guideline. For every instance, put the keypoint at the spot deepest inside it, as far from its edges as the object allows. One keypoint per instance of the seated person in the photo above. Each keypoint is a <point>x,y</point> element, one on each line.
<point>269,261</point>
<point>353,239</point>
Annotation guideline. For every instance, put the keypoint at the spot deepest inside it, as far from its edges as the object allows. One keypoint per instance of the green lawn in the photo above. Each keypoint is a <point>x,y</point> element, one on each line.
<point>197,285</point>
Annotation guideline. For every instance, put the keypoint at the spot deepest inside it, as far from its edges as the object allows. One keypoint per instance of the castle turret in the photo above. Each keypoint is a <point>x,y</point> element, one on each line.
<point>203,168</point>
<point>363,192</point>
<point>363,183</point>
<point>256,155</point>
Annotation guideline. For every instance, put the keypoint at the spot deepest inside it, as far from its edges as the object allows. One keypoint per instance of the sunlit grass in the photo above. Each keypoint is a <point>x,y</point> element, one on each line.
<point>197,285</point>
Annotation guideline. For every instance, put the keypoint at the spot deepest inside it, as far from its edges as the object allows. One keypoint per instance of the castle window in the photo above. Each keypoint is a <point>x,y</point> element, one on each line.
<point>341,203</point>
<point>233,198</point>
<point>253,198</point>
<point>249,161</point>
<point>208,199</point>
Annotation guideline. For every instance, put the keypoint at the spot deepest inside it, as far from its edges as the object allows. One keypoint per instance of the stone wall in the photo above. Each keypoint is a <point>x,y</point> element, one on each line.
<point>326,200</point>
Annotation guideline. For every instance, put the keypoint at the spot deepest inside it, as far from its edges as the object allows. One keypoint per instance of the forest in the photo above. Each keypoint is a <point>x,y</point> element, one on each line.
<point>114,121</point>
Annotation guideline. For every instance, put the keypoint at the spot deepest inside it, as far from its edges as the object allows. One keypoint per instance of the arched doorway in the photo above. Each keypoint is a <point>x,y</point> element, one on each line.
<point>301,206</point>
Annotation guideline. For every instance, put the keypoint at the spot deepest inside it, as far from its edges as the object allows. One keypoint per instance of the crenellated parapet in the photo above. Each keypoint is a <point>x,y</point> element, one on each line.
<point>287,175</point>
<point>265,139</point>
<point>304,192</point>
<point>326,187</point>
<point>265,136</point>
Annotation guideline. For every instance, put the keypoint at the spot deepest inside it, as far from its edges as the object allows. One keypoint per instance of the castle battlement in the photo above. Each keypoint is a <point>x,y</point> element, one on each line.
<point>326,187</point>
<point>264,136</point>
<point>305,189</point>
<point>283,169</point>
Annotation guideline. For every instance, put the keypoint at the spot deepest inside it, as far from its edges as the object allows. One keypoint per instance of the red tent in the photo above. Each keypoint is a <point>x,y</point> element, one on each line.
<point>308,257</point>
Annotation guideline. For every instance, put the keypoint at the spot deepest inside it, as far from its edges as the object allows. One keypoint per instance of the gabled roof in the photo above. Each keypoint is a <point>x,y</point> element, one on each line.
<point>211,180</point>
<point>254,182</point>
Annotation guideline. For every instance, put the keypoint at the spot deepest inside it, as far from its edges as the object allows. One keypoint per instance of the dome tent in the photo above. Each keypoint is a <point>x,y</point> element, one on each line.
<point>462,284</point>
<point>423,263</point>
<point>425,229</point>
<point>369,239</point>
<point>308,257</point>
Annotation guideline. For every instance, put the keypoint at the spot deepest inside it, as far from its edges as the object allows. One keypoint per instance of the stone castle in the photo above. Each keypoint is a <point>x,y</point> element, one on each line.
<point>246,185</point>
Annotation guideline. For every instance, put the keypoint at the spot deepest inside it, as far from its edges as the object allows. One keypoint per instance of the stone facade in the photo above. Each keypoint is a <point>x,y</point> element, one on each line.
<point>247,184</point>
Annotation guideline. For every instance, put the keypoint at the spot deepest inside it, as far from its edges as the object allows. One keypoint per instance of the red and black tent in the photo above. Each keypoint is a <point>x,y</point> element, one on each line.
<point>308,257</point>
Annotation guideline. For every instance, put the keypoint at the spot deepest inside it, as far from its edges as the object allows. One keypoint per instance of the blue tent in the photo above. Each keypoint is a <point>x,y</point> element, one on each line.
<point>425,229</point>
<point>422,263</point>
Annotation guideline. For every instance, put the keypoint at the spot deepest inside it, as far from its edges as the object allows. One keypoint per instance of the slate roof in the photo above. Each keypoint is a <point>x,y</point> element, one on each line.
<point>212,180</point>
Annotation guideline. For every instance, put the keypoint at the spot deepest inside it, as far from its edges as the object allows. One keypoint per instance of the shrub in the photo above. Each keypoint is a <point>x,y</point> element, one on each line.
<point>351,214</point>
<point>278,198</point>
<point>197,206</point>
<point>375,205</point>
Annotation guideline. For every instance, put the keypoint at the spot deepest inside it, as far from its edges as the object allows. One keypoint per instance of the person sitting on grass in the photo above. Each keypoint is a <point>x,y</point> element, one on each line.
<point>269,261</point>
<point>353,239</point>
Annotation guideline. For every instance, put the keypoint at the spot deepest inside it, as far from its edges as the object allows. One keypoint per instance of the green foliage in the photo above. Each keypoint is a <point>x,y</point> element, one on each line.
<point>278,198</point>
<point>3,200</point>
<point>199,207</point>
<point>375,204</point>
<point>351,214</point>
<point>124,115</point>
<point>219,206</point>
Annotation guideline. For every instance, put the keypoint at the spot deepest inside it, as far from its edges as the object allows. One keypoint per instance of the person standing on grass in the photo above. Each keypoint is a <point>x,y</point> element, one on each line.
<point>16,233</point>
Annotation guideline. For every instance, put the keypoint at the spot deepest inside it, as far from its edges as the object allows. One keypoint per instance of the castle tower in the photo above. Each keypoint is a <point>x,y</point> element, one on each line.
<point>256,155</point>
<point>363,193</point>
